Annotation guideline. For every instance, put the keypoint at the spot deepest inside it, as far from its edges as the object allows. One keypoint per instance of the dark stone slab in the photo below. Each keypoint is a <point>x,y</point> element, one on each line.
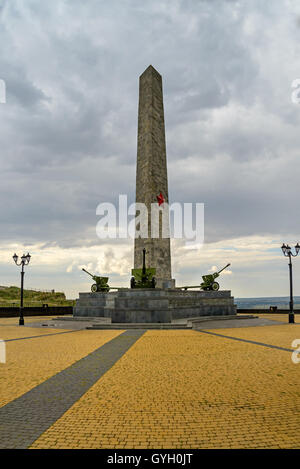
<point>23,420</point>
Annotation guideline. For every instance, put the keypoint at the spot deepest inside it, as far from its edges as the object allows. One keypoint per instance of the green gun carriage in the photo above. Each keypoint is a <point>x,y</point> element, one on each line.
<point>145,277</point>
<point>209,280</point>
<point>100,284</point>
<point>209,283</point>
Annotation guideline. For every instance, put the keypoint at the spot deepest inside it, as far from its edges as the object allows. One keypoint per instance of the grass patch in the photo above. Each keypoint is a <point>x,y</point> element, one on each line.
<point>10,296</point>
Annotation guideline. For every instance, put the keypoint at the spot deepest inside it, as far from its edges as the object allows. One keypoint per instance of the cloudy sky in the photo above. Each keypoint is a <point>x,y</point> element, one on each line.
<point>68,134</point>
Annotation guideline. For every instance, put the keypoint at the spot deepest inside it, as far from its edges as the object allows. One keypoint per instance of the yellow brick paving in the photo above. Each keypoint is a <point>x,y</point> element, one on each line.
<point>281,335</point>
<point>186,389</point>
<point>30,362</point>
<point>27,319</point>
<point>15,332</point>
<point>279,317</point>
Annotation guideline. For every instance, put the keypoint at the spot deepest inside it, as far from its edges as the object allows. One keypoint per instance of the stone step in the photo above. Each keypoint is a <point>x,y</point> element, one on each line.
<point>131,315</point>
<point>143,325</point>
<point>210,318</point>
<point>141,303</point>
<point>200,309</point>
<point>184,302</point>
<point>84,319</point>
<point>95,311</point>
<point>93,301</point>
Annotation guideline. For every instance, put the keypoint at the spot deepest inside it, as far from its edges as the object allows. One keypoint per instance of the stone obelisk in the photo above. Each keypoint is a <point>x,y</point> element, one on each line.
<point>151,177</point>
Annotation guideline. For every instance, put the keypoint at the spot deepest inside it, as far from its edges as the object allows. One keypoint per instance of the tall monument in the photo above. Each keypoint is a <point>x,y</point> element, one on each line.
<point>151,177</point>
<point>152,305</point>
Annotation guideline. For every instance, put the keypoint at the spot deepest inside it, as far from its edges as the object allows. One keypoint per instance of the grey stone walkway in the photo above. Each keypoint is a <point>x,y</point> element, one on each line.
<point>237,323</point>
<point>39,336</point>
<point>247,341</point>
<point>23,420</point>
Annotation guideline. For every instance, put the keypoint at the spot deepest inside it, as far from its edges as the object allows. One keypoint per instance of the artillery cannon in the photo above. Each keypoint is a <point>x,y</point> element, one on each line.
<point>143,278</point>
<point>209,280</point>
<point>101,283</point>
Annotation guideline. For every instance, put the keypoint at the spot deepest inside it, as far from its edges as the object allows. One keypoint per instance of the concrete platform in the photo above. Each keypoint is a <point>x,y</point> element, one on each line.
<point>199,323</point>
<point>141,325</point>
<point>230,323</point>
<point>154,305</point>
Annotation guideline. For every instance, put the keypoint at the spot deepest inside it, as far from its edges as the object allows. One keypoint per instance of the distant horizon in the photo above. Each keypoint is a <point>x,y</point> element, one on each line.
<point>263,297</point>
<point>237,298</point>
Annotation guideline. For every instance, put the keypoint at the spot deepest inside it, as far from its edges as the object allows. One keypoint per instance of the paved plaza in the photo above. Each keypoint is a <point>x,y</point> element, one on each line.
<point>212,388</point>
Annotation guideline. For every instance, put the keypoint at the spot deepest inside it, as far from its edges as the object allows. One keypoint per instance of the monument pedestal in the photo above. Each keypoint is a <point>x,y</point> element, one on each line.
<point>154,305</point>
<point>164,303</point>
<point>165,284</point>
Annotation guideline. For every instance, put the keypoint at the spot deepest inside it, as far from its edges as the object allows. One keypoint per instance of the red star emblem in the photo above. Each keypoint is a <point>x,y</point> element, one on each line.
<point>160,199</point>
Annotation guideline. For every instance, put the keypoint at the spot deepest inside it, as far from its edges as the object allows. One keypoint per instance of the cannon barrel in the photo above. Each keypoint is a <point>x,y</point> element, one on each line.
<point>223,268</point>
<point>87,272</point>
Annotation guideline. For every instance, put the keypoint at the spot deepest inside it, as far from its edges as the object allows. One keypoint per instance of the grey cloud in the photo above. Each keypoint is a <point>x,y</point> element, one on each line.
<point>69,136</point>
<point>23,91</point>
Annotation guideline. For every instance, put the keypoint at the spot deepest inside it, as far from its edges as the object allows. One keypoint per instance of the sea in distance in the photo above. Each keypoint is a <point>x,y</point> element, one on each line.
<point>282,302</point>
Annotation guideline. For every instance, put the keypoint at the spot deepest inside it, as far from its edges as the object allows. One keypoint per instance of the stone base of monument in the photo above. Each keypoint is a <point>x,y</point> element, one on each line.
<point>154,305</point>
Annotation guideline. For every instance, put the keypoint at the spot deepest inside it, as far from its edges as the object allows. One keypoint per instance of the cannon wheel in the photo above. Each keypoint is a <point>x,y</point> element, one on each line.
<point>132,282</point>
<point>215,286</point>
<point>94,288</point>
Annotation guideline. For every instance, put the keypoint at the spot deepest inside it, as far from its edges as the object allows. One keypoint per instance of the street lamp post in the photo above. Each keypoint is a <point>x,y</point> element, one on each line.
<point>287,252</point>
<point>24,261</point>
